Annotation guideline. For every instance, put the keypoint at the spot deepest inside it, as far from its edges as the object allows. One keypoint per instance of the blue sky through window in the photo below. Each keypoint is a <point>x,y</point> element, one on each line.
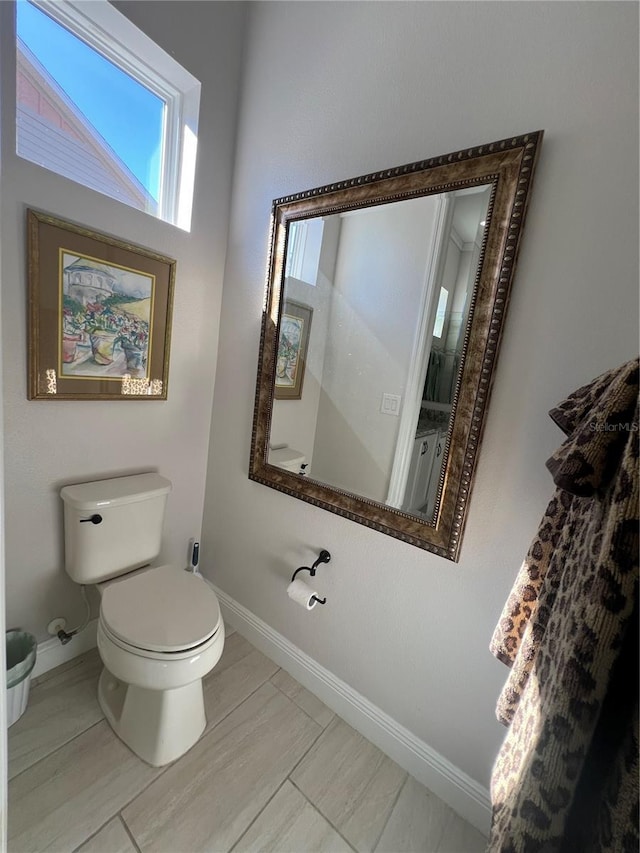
<point>125,113</point>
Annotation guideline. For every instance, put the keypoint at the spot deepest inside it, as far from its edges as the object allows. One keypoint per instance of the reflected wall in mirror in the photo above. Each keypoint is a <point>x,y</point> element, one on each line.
<point>375,409</point>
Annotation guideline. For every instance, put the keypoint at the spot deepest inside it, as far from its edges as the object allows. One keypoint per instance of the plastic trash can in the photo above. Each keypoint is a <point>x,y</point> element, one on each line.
<point>21,658</point>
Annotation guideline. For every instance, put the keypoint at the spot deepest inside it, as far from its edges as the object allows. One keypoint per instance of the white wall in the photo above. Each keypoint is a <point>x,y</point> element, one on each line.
<point>407,629</point>
<point>3,693</point>
<point>51,443</point>
<point>381,270</point>
<point>293,422</point>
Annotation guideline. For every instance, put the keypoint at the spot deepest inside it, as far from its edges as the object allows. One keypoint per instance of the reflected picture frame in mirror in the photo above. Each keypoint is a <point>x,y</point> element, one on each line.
<point>291,358</point>
<point>505,168</point>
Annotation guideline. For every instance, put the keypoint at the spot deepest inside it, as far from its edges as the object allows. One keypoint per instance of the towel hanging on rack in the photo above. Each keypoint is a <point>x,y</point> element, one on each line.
<point>566,777</point>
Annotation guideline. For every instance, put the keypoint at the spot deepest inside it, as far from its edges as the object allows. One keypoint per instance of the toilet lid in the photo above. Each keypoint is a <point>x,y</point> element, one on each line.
<point>162,610</point>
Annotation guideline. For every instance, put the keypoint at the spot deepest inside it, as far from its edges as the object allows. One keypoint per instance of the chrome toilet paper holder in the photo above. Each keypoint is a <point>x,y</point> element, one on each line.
<point>323,557</point>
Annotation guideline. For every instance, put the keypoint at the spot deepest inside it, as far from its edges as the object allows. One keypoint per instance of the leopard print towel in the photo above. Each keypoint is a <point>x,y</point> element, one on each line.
<point>566,776</point>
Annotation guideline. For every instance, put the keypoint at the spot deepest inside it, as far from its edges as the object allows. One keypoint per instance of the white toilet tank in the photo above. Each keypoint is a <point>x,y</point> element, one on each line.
<point>113,526</point>
<point>289,459</point>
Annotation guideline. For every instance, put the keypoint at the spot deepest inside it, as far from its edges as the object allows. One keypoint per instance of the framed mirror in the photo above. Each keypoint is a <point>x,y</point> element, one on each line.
<point>385,303</point>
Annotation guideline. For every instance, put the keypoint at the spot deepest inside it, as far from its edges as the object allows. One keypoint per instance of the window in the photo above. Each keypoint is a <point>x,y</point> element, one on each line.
<point>303,252</point>
<point>100,103</point>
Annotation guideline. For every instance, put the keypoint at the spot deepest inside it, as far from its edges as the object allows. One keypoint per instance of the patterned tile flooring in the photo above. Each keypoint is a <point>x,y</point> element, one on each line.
<point>275,770</point>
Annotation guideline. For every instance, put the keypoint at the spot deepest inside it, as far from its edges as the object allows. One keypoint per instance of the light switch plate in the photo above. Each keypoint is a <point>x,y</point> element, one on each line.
<point>390,404</point>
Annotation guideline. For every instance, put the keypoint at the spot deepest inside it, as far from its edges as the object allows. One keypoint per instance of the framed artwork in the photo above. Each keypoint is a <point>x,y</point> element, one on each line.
<point>99,315</point>
<point>293,342</point>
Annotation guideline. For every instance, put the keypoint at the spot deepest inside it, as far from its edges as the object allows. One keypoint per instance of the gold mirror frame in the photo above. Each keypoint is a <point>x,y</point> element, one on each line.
<point>508,166</point>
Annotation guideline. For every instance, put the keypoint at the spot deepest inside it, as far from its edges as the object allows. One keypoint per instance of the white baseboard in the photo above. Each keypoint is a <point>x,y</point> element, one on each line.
<point>462,793</point>
<point>52,653</point>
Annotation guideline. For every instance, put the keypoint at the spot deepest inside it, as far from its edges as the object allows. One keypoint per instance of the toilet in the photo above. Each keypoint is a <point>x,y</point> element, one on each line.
<point>160,630</point>
<point>288,459</point>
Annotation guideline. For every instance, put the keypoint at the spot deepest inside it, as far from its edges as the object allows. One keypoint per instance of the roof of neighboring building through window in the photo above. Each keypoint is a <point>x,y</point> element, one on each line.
<point>53,132</point>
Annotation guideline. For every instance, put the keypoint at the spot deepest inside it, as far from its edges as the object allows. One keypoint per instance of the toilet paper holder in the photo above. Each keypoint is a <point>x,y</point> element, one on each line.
<point>323,557</point>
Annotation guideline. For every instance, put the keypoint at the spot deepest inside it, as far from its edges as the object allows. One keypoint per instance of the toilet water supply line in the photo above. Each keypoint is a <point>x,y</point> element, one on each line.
<point>66,636</point>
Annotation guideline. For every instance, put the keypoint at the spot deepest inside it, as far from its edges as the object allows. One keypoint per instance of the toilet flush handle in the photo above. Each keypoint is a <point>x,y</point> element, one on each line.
<point>94,519</point>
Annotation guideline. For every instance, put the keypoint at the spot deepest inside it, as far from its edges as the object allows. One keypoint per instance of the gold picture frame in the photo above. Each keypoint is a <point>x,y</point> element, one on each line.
<point>99,314</point>
<point>293,343</point>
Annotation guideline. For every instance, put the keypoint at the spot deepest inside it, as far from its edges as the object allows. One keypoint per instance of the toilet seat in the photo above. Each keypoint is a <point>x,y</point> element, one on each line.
<point>161,611</point>
<point>165,658</point>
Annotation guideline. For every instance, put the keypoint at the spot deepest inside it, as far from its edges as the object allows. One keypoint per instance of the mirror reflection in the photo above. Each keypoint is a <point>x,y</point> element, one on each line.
<point>374,314</point>
<point>385,304</point>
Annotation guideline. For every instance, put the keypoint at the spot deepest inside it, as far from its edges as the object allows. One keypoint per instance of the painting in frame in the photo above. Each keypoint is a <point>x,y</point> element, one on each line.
<point>293,342</point>
<point>99,314</point>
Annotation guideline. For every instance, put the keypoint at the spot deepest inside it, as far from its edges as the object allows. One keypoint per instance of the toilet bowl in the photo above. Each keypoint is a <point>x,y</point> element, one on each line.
<point>160,629</point>
<point>160,632</point>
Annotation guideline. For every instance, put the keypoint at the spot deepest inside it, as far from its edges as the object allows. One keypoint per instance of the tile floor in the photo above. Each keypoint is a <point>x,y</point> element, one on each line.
<point>275,770</point>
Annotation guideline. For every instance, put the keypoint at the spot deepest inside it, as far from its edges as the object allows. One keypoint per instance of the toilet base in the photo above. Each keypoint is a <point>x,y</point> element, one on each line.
<point>158,725</point>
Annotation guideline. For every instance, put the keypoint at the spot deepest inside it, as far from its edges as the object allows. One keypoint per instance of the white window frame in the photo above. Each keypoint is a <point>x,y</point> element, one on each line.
<point>303,250</point>
<point>113,35</point>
